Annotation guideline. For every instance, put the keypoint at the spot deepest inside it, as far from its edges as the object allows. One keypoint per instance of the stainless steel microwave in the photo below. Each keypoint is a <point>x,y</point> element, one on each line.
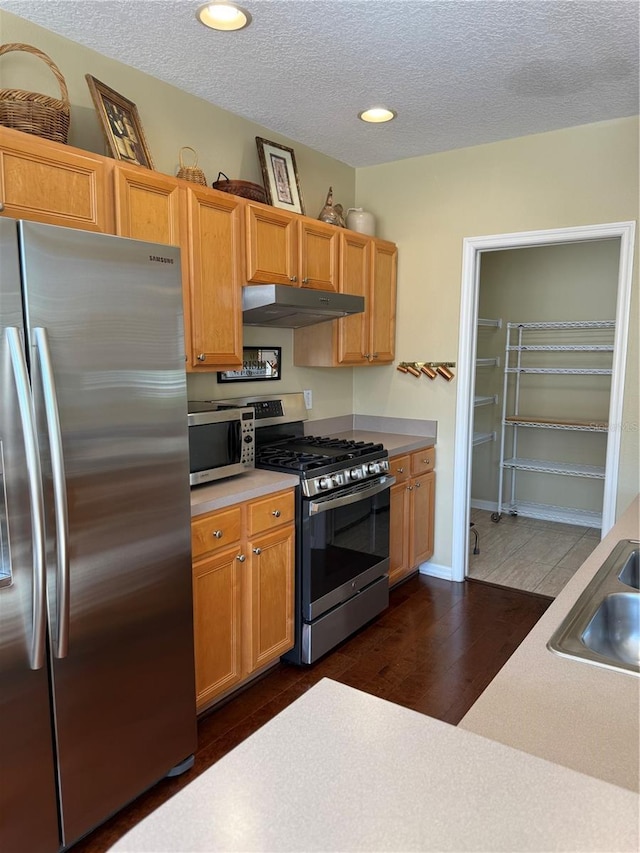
<point>221,441</point>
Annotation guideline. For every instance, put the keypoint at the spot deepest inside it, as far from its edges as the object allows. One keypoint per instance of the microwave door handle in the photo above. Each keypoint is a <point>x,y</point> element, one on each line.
<point>343,500</point>
<point>25,408</point>
<point>59,490</point>
<point>235,441</point>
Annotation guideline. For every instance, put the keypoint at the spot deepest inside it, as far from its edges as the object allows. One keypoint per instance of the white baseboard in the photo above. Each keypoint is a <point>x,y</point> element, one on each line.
<point>489,506</point>
<point>436,571</point>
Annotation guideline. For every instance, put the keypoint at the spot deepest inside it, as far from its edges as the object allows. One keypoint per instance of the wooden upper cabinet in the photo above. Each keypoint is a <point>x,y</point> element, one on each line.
<point>214,312</point>
<point>285,248</point>
<point>355,267</point>
<point>367,268</point>
<point>271,245</point>
<point>52,183</point>
<point>318,253</point>
<point>149,206</point>
<point>382,307</point>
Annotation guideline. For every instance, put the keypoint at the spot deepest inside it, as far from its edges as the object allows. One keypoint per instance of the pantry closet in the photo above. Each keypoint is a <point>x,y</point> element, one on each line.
<point>542,391</point>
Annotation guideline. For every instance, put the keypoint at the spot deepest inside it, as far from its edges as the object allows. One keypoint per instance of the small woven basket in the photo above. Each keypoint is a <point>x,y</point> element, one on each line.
<point>190,173</point>
<point>31,112</point>
<point>245,189</point>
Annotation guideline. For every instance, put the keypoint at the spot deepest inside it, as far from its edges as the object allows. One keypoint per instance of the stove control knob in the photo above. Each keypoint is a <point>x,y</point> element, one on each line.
<point>373,468</point>
<point>324,482</point>
<point>356,473</point>
<point>337,479</point>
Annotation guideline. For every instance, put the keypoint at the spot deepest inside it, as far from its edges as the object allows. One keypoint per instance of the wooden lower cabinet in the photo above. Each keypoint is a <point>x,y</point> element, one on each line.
<point>269,597</point>
<point>243,576</point>
<point>412,512</point>
<point>217,626</point>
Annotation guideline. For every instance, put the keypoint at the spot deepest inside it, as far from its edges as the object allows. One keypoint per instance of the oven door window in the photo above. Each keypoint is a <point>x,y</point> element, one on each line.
<point>214,445</point>
<point>344,544</point>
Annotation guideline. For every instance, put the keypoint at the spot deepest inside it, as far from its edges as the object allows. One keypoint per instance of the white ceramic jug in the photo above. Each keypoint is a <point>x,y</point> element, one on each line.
<point>362,221</point>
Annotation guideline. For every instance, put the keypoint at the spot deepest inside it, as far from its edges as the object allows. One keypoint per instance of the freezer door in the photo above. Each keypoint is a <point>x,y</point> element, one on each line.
<point>27,770</point>
<point>108,371</point>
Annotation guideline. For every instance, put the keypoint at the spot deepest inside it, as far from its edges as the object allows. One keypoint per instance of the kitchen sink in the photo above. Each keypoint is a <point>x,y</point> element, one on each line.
<point>629,574</point>
<point>603,626</point>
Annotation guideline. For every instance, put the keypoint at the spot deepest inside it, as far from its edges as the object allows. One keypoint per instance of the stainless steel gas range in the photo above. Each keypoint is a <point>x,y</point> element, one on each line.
<point>342,523</point>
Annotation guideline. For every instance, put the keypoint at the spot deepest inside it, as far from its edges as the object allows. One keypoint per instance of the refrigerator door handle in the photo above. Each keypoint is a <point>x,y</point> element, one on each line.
<point>21,377</point>
<point>61,646</point>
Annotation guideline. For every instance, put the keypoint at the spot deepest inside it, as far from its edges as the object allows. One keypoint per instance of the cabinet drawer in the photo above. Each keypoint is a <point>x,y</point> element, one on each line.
<point>399,467</point>
<point>271,512</point>
<point>215,530</point>
<point>423,461</point>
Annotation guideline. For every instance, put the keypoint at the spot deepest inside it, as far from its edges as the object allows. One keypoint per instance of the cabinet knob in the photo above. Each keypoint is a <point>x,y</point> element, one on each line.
<point>305,281</point>
<point>409,488</point>
<point>418,484</point>
<point>202,357</point>
<point>241,558</point>
<point>427,461</point>
<point>276,513</point>
<point>217,534</point>
<point>1,207</point>
<point>375,355</point>
<point>293,278</point>
<point>257,551</point>
<point>400,470</point>
<point>367,356</point>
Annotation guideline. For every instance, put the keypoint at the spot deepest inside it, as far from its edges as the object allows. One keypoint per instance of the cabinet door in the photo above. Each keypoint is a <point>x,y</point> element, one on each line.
<point>48,182</point>
<point>353,332</point>
<point>421,524</point>
<point>319,249</point>
<point>382,316</point>
<point>269,597</point>
<point>217,624</point>
<point>399,532</point>
<point>215,280</point>
<point>148,207</point>
<point>272,246</point>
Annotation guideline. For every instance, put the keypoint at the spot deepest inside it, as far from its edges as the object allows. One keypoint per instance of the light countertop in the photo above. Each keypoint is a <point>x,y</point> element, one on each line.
<point>394,443</point>
<point>571,712</point>
<point>258,483</point>
<point>234,490</point>
<point>551,764</point>
<point>341,770</point>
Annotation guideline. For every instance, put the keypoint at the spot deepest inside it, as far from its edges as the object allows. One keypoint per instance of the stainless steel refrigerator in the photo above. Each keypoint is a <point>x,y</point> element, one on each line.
<point>96,628</point>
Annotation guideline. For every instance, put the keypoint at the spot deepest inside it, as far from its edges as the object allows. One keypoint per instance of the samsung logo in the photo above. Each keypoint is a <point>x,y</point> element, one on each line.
<point>160,260</point>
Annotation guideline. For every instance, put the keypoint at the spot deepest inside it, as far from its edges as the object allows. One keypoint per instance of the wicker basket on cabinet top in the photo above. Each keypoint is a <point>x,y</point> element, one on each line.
<point>31,112</point>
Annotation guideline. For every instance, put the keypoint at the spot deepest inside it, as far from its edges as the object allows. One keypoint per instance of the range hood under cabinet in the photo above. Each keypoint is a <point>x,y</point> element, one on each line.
<point>293,307</point>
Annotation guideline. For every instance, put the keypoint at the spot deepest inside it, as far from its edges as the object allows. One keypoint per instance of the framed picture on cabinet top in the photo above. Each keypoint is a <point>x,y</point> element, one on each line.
<point>120,124</point>
<point>280,175</point>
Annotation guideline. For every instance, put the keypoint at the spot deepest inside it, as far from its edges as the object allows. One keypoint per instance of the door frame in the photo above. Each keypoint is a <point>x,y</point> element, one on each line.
<point>472,250</point>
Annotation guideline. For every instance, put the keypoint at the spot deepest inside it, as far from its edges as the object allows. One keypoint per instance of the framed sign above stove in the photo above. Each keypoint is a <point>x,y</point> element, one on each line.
<point>258,363</point>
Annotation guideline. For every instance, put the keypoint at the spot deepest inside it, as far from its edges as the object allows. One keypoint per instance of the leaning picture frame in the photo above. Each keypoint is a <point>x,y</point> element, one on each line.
<point>120,124</point>
<point>280,175</point>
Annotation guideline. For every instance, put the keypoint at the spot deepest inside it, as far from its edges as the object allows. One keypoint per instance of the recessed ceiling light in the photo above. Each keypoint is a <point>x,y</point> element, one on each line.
<point>377,115</point>
<point>223,16</point>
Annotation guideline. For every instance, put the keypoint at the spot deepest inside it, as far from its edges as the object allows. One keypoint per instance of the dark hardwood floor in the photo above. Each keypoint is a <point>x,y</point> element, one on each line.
<point>434,650</point>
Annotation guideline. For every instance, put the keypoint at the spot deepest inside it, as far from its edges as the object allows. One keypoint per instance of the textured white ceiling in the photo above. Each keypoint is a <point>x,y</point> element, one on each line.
<point>458,72</point>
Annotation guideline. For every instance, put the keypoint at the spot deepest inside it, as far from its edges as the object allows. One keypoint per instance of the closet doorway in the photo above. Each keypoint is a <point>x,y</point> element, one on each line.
<point>555,304</point>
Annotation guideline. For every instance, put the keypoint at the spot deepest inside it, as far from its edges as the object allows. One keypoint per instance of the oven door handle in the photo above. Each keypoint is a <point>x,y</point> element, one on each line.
<point>324,505</point>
